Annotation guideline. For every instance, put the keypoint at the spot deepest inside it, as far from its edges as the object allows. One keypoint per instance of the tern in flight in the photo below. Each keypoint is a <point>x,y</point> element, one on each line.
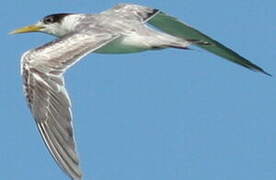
<point>121,29</point>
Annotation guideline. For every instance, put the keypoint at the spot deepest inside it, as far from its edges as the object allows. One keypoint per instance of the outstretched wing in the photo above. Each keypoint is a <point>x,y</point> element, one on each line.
<point>177,28</point>
<point>172,26</point>
<point>42,71</point>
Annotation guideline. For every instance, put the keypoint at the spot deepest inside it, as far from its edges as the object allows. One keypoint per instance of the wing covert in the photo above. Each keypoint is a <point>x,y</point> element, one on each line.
<point>132,11</point>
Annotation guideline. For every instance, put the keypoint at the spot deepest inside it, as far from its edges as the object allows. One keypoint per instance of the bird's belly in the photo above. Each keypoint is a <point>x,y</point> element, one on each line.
<point>125,45</point>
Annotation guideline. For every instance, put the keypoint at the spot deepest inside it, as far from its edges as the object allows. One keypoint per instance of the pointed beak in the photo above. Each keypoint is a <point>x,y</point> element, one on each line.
<point>26,29</point>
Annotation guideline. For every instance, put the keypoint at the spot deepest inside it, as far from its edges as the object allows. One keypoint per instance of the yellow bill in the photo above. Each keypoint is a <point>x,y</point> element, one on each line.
<point>26,29</point>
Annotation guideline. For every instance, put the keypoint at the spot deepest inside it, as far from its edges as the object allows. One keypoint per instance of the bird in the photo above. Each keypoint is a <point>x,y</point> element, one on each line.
<point>124,28</point>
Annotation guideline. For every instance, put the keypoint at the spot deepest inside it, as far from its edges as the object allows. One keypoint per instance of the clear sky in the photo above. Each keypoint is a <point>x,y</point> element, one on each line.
<point>160,115</point>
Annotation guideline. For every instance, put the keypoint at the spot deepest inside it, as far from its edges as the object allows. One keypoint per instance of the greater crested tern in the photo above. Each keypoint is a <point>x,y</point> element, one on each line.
<point>121,29</point>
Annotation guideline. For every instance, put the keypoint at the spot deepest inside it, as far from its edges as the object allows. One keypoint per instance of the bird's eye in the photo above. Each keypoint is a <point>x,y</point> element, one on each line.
<point>49,19</point>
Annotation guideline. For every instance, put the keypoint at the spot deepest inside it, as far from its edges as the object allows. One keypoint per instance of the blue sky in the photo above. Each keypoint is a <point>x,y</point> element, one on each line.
<point>166,115</point>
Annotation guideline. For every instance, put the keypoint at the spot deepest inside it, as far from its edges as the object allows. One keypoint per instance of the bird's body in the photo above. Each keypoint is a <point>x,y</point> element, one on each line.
<point>134,35</point>
<point>121,29</point>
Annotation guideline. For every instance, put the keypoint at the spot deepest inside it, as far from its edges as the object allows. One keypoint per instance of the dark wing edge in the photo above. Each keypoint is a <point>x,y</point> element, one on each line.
<point>42,70</point>
<point>171,25</point>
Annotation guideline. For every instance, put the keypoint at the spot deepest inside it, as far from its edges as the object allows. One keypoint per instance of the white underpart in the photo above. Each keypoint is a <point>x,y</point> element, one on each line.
<point>134,42</point>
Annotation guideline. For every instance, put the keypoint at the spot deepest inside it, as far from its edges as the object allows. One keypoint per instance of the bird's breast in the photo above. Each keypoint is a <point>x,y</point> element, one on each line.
<point>126,44</point>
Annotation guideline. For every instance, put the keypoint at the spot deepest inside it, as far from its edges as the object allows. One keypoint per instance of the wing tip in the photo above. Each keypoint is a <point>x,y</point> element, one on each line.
<point>256,68</point>
<point>264,72</point>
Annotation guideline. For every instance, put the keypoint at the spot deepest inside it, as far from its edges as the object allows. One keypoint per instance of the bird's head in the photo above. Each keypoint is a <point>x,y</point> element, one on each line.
<point>55,24</point>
